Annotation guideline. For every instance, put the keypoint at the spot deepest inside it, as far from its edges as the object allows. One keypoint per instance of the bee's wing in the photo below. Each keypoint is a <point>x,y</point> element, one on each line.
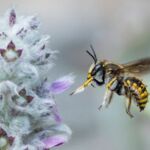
<point>139,67</point>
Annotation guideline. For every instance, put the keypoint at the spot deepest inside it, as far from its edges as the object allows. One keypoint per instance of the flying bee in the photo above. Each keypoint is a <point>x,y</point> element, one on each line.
<point>121,79</point>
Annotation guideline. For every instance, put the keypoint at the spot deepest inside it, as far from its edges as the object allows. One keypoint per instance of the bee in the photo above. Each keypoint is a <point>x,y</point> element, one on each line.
<point>122,79</point>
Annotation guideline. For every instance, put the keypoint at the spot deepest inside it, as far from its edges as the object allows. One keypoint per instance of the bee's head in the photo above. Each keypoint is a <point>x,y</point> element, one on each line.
<point>94,74</point>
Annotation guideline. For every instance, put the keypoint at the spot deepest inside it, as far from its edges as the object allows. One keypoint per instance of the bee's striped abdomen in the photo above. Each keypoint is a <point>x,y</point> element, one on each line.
<point>138,91</point>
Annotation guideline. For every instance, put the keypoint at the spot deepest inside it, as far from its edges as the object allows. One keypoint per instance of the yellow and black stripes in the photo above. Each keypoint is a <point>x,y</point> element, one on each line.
<point>130,87</point>
<point>138,91</point>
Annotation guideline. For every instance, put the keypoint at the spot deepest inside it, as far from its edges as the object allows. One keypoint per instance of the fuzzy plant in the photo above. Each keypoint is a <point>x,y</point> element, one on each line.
<point>29,119</point>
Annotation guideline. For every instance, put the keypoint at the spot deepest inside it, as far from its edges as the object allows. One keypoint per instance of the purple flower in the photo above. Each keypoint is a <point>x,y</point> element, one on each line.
<point>61,85</point>
<point>30,119</point>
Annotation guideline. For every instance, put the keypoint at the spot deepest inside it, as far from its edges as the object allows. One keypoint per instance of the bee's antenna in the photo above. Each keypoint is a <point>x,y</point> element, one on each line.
<point>92,55</point>
<point>91,46</point>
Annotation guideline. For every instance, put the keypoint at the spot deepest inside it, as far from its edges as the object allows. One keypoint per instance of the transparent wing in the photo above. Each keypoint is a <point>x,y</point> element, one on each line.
<point>139,67</point>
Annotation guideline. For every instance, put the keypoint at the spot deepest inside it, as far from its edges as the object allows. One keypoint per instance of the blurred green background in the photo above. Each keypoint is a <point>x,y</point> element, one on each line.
<point>120,31</point>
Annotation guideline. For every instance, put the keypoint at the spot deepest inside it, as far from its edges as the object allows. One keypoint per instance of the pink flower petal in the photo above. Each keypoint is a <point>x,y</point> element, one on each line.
<point>61,84</point>
<point>11,45</point>
<point>29,98</point>
<point>11,139</point>
<point>54,141</point>
<point>12,18</point>
<point>2,52</point>
<point>19,52</point>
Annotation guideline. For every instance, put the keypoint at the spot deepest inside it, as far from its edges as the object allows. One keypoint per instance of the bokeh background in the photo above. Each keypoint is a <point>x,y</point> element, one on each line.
<point>120,31</point>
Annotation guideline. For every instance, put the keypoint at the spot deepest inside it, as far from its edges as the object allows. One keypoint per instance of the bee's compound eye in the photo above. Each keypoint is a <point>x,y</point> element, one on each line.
<point>99,76</point>
<point>96,69</point>
<point>98,66</point>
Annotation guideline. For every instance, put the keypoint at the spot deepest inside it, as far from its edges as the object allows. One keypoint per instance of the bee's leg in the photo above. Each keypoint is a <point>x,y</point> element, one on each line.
<point>107,99</point>
<point>110,87</point>
<point>128,107</point>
